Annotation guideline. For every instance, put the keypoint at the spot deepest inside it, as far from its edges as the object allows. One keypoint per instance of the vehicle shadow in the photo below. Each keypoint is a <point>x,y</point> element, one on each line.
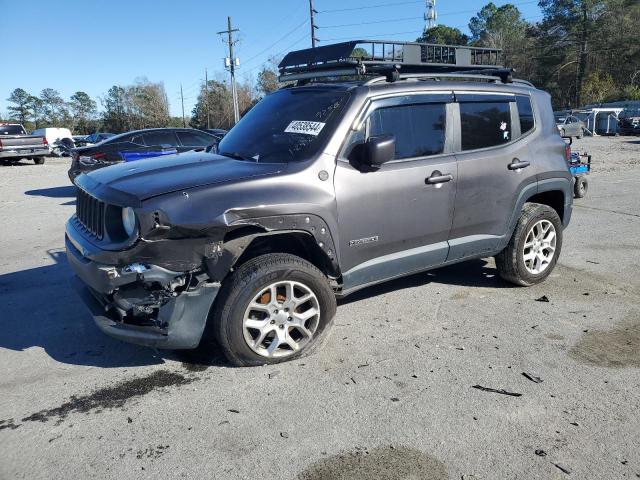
<point>473,273</point>
<point>41,309</point>
<point>68,191</point>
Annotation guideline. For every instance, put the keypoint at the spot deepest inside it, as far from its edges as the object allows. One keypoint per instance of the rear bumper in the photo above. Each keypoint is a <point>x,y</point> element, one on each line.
<point>23,152</point>
<point>124,307</point>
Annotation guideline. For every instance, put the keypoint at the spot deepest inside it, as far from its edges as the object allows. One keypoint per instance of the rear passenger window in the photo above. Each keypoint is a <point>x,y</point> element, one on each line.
<point>485,124</point>
<point>525,112</point>
<point>419,129</point>
<point>159,138</point>
<point>195,139</point>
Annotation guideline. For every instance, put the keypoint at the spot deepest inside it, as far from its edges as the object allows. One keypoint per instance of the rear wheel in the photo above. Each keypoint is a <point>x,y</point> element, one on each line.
<point>580,186</point>
<point>274,308</point>
<point>534,247</point>
<point>38,160</point>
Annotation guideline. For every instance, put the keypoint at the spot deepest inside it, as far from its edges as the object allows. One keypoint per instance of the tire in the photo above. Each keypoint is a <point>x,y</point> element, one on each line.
<point>252,284</point>
<point>38,160</point>
<point>6,163</point>
<point>510,262</point>
<point>580,186</point>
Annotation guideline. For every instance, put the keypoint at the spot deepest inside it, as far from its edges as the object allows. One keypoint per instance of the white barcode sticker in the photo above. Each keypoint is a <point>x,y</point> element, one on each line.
<point>303,126</point>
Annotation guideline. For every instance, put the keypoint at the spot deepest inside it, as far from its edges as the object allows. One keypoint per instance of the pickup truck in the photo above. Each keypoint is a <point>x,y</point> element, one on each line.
<point>15,144</point>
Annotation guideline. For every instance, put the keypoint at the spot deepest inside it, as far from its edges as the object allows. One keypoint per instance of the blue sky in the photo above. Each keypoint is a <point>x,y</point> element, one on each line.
<point>90,45</point>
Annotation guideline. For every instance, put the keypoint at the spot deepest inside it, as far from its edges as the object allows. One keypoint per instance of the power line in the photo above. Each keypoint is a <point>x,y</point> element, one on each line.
<point>416,18</point>
<point>369,6</point>
<point>409,32</point>
<point>277,41</point>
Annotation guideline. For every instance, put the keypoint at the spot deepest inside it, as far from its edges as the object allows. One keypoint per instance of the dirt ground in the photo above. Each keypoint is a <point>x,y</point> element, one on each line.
<point>392,394</point>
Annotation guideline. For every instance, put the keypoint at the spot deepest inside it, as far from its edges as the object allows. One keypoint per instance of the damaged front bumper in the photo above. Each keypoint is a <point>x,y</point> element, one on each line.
<point>143,304</point>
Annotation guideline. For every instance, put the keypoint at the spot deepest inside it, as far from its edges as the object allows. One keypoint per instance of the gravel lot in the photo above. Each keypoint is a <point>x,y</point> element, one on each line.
<point>388,396</point>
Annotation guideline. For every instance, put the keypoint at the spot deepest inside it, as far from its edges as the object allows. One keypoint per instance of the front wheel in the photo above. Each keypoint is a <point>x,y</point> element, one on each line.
<point>535,245</point>
<point>273,308</point>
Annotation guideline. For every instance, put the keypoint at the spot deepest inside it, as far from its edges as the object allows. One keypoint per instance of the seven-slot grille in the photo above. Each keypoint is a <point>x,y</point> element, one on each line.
<point>90,213</point>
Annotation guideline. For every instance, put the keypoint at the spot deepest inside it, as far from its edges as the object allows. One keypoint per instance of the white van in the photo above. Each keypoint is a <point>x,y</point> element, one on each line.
<point>53,136</point>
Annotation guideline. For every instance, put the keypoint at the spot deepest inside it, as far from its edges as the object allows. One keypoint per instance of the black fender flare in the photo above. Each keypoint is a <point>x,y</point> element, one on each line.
<point>222,256</point>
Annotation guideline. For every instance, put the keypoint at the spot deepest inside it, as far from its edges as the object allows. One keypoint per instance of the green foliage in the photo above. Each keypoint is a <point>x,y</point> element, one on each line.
<point>267,81</point>
<point>141,105</point>
<point>20,110</point>
<point>84,111</point>
<point>598,87</point>
<point>444,35</point>
<point>359,52</point>
<point>214,108</point>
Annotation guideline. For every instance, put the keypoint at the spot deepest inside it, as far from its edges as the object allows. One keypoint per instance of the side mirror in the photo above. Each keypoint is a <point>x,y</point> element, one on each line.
<point>379,150</point>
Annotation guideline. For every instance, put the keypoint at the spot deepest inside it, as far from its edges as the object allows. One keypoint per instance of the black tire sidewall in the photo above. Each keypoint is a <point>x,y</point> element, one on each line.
<point>581,187</point>
<point>543,213</point>
<point>230,320</point>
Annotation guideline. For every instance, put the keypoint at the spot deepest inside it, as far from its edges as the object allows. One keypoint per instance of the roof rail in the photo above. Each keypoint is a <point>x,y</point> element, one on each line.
<point>498,75</point>
<point>376,57</point>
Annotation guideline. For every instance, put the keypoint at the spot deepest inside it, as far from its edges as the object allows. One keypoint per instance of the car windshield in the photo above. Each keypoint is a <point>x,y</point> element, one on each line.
<point>287,126</point>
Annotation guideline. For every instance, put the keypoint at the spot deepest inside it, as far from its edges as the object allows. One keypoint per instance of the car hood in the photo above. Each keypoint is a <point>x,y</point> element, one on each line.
<point>151,177</point>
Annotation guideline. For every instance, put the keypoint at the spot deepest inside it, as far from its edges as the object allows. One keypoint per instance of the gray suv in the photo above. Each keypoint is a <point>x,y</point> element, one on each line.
<point>320,190</point>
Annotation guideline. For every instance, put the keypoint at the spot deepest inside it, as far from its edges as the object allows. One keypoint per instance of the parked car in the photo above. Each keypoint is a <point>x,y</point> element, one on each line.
<point>60,140</point>
<point>93,139</point>
<point>15,145</point>
<point>137,145</point>
<point>629,122</point>
<point>320,190</point>
<point>570,126</point>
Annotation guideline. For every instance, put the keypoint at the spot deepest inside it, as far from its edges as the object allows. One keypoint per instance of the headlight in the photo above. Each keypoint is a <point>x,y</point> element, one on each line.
<point>129,220</point>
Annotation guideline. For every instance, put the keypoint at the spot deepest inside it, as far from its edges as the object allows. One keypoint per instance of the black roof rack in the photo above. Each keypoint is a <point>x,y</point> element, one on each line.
<point>390,58</point>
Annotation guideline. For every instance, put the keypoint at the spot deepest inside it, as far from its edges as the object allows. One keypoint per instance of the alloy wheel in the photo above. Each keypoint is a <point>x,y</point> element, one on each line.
<point>281,319</point>
<point>539,247</point>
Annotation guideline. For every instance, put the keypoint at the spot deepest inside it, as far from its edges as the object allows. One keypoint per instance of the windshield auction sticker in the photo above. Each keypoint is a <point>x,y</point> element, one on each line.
<point>303,126</point>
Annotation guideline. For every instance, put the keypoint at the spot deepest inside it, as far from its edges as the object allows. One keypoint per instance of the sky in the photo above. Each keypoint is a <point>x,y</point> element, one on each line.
<point>90,45</point>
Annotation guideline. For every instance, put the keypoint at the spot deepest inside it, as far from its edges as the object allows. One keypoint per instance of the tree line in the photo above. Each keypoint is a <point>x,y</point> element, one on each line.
<point>580,51</point>
<point>143,104</point>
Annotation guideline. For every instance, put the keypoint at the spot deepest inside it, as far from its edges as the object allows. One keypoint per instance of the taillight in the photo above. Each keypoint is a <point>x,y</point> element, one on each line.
<point>567,153</point>
<point>0,143</point>
<point>44,141</point>
<point>98,155</point>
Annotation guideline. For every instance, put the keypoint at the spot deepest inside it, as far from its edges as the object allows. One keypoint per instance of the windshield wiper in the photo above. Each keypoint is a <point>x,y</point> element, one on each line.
<point>237,156</point>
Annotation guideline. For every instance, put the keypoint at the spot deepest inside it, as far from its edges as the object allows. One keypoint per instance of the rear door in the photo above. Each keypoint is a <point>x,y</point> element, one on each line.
<point>494,166</point>
<point>393,220</point>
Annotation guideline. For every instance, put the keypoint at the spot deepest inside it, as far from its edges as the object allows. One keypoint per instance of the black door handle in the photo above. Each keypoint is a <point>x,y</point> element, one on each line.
<point>517,164</point>
<point>437,177</point>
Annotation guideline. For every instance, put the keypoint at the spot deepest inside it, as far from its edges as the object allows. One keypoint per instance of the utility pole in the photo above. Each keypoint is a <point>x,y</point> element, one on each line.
<point>231,62</point>
<point>184,123</point>
<point>314,27</point>
<point>206,97</point>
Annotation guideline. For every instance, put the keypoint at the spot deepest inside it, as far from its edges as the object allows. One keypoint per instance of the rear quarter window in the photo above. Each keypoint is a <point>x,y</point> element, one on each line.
<point>485,124</point>
<point>525,112</point>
